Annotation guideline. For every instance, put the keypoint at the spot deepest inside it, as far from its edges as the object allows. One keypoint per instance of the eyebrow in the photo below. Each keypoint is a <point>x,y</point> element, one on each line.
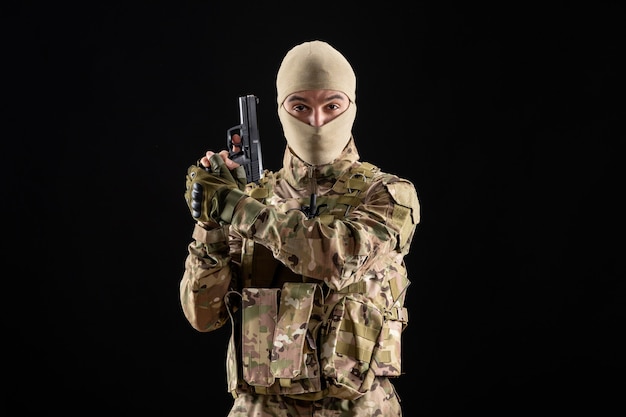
<point>329,98</point>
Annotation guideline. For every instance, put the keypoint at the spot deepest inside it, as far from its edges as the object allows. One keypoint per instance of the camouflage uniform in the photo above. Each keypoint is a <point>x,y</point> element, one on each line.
<point>316,304</point>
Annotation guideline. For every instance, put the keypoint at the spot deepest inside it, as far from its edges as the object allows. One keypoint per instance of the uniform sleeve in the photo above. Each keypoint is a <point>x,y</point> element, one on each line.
<point>340,252</point>
<point>208,276</point>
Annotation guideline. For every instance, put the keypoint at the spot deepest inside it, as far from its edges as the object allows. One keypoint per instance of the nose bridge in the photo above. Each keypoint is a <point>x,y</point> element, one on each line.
<point>318,117</point>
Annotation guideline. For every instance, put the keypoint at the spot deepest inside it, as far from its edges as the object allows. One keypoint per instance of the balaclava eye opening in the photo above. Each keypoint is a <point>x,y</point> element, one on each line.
<point>316,65</point>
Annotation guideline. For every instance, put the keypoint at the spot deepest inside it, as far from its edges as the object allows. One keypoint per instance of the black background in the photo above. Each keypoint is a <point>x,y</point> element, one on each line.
<point>506,119</point>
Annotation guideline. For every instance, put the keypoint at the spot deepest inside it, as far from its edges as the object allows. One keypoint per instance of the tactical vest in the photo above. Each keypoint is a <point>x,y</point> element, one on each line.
<point>302,339</point>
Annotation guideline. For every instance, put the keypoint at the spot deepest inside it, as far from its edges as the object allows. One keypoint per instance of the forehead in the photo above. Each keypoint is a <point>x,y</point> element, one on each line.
<point>317,95</point>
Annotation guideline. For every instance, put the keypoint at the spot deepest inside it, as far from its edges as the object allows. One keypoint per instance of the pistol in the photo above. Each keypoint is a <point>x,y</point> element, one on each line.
<point>249,155</point>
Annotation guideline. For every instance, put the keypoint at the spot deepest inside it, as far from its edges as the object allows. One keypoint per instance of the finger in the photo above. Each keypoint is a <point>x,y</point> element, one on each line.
<point>219,167</point>
<point>224,155</point>
<point>216,161</point>
<point>205,160</point>
<point>230,164</point>
<point>236,141</point>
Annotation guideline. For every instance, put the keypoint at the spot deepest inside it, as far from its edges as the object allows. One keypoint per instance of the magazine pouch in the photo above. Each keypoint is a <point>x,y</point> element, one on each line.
<point>294,351</point>
<point>348,342</point>
<point>387,360</point>
<point>388,354</point>
<point>259,313</point>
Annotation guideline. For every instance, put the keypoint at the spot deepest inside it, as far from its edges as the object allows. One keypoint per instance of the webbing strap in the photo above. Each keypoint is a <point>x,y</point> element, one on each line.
<point>353,351</point>
<point>359,287</point>
<point>259,193</point>
<point>208,236</point>
<point>307,396</point>
<point>355,183</point>
<point>349,200</point>
<point>360,330</point>
<point>247,252</point>
<point>398,313</point>
<point>367,169</point>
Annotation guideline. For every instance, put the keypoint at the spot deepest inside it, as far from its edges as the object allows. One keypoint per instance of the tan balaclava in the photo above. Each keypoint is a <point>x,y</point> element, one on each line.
<point>316,65</point>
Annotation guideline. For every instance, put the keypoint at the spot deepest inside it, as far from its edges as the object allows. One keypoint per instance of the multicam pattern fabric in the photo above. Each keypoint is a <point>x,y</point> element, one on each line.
<point>321,307</point>
<point>380,401</point>
<point>259,311</point>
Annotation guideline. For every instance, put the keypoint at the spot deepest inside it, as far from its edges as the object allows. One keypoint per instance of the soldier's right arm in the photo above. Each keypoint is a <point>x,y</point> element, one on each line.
<point>207,278</point>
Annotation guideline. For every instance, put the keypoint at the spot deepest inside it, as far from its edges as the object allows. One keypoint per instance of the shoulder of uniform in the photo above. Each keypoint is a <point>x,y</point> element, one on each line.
<point>402,190</point>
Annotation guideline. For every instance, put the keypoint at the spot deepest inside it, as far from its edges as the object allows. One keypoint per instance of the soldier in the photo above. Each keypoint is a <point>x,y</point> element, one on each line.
<point>307,265</point>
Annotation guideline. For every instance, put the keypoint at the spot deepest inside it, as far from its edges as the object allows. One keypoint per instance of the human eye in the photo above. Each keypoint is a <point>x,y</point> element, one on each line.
<point>299,108</point>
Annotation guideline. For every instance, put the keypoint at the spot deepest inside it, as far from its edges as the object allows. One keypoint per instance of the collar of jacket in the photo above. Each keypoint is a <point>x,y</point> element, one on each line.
<point>297,172</point>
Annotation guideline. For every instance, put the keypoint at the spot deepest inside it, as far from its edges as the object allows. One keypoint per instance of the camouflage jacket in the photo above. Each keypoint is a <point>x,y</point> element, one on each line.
<point>316,302</point>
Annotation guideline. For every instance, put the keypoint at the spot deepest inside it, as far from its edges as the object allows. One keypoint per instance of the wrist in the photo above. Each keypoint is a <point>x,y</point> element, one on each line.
<point>230,202</point>
<point>246,214</point>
